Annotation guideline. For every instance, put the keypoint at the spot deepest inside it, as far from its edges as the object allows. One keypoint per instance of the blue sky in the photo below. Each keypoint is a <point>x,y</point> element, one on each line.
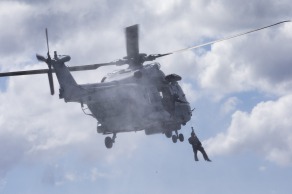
<point>242,91</point>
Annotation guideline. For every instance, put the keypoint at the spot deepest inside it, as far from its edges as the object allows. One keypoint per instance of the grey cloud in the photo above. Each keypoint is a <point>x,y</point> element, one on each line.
<point>12,151</point>
<point>269,59</point>
<point>259,61</point>
<point>265,130</point>
<point>90,30</point>
<point>52,175</point>
<point>42,129</point>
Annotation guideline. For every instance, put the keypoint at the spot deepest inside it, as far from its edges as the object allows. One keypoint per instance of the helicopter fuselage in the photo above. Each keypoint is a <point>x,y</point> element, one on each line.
<point>129,99</point>
<point>140,99</point>
<point>132,99</point>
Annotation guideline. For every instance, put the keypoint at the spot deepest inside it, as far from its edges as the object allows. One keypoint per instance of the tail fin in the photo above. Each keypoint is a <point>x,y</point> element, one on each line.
<point>69,89</point>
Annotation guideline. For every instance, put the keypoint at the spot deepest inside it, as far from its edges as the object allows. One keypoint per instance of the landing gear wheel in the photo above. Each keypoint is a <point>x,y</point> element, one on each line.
<point>168,133</point>
<point>181,137</point>
<point>108,142</point>
<point>174,138</point>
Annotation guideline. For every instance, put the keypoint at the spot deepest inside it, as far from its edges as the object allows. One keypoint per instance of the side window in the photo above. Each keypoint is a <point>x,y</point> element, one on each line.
<point>166,94</point>
<point>152,95</point>
<point>103,79</point>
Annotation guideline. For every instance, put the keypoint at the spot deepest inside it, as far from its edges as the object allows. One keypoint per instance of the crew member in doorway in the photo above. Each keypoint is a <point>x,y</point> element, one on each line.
<point>177,99</point>
<point>197,146</point>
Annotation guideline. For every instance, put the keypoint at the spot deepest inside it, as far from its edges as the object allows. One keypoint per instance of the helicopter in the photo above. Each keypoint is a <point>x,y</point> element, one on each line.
<point>139,97</point>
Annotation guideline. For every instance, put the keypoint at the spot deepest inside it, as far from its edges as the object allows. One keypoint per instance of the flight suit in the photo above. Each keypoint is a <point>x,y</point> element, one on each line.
<point>197,146</point>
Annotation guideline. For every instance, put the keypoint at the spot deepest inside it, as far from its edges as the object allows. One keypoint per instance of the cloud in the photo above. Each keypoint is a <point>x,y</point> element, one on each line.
<point>266,130</point>
<point>229,105</point>
<point>12,151</point>
<point>256,62</point>
<point>39,129</point>
<point>191,94</point>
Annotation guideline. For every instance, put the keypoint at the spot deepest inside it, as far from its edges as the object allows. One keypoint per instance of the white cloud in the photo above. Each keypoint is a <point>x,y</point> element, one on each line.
<point>189,91</point>
<point>38,128</point>
<point>262,168</point>
<point>259,61</point>
<point>3,182</point>
<point>70,176</point>
<point>95,174</point>
<point>266,131</point>
<point>229,105</point>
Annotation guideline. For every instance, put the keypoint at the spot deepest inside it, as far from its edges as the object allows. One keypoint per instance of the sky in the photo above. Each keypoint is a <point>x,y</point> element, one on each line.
<point>241,89</point>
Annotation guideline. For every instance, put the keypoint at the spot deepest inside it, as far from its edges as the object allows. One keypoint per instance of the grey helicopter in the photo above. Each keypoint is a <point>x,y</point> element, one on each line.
<point>139,97</point>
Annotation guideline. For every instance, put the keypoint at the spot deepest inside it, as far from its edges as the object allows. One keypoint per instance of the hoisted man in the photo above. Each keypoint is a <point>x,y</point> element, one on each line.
<point>197,146</point>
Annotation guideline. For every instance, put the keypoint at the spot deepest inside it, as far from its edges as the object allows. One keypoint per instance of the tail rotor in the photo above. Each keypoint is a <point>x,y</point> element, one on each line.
<point>48,60</point>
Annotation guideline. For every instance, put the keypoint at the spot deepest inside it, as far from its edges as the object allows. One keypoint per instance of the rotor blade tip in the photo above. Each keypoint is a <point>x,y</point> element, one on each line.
<point>40,58</point>
<point>285,21</point>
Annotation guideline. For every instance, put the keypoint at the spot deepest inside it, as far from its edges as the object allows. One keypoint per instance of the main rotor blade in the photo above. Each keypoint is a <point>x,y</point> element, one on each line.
<point>226,38</point>
<point>42,71</point>
<point>51,81</point>
<point>29,72</point>
<point>132,41</point>
<point>47,41</point>
<point>89,67</point>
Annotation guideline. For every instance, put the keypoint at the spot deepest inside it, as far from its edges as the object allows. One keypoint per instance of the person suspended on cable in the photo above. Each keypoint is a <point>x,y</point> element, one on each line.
<point>197,146</point>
